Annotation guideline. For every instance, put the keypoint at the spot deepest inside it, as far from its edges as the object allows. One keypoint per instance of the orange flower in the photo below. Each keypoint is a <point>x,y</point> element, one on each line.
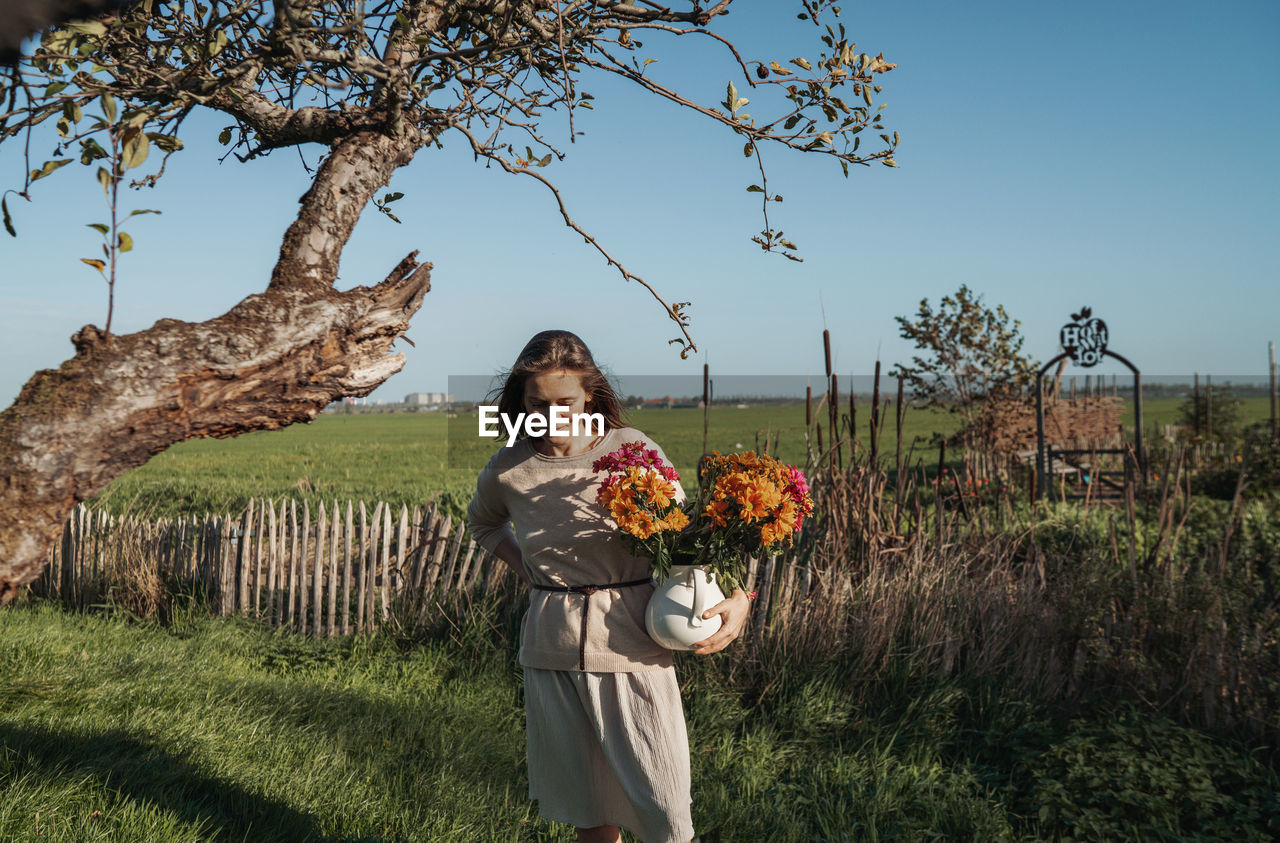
<point>757,499</point>
<point>717,511</point>
<point>773,531</point>
<point>639,524</point>
<point>675,520</point>
<point>660,491</point>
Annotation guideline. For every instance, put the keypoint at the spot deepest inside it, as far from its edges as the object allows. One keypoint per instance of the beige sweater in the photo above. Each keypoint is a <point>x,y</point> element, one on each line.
<point>565,539</point>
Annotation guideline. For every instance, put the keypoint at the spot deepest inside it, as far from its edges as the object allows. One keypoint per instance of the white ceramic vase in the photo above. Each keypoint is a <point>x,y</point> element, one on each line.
<point>674,615</point>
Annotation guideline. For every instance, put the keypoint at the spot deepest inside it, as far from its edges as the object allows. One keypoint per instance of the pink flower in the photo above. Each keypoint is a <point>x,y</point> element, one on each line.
<point>634,454</point>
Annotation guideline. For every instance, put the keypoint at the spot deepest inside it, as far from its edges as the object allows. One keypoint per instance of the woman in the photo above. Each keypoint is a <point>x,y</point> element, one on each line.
<point>607,744</point>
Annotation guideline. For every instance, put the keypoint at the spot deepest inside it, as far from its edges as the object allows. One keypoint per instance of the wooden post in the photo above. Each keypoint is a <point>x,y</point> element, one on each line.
<point>224,530</point>
<point>317,575</point>
<point>1271,366</point>
<point>363,559</point>
<point>836,439</point>
<point>424,548</point>
<point>334,526</point>
<point>273,560</point>
<point>1208,406</point>
<point>455,544</point>
<point>437,558</point>
<point>1195,406</point>
<point>243,550</point>
<point>898,447</point>
<point>402,536</point>
<point>875,417</point>
<point>386,562</point>
<point>293,559</point>
<point>346,573</point>
<point>706,403</point>
<point>302,568</point>
<point>264,506</point>
<point>469,571</point>
<point>832,413</point>
<point>282,567</point>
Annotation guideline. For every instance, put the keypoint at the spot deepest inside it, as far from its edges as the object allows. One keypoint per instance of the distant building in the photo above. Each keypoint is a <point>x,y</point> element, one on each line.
<point>428,399</point>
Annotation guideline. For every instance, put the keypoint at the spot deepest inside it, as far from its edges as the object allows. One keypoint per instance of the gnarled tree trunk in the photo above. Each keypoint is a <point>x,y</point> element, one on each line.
<point>275,358</point>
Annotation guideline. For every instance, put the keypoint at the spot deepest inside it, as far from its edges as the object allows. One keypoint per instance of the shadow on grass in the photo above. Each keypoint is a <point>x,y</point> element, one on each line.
<point>145,773</point>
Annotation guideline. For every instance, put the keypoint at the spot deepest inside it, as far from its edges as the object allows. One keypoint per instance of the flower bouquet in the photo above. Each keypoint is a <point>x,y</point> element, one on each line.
<point>746,503</point>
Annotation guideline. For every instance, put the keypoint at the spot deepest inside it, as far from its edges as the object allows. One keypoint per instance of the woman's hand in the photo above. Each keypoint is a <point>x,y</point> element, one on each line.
<point>733,612</point>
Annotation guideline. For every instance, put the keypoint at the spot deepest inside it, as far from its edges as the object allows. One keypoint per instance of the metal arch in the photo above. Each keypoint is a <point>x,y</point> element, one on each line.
<point>1042,474</point>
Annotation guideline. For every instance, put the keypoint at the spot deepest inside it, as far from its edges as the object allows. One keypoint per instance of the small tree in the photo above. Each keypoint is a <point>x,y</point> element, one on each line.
<point>1213,412</point>
<point>971,353</point>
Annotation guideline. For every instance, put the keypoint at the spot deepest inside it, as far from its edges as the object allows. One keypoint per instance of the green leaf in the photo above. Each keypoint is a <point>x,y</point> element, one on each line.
<point>391,197</point>
<point>142,211</point>
<point>54,87</point>
<point>8,220</point>
<point>219,42</point>
<point>167,143</point>
<point>88,27</point>
<point>91,150</point>
<point>98,227</point>
<point>224,137</point>
<point>108,107</point>
<point>96,264</point>
<point>135,151</point>
<point>755,188</point>
<point>124,241</point>
<point>49,167</point>
<point>544,160</point>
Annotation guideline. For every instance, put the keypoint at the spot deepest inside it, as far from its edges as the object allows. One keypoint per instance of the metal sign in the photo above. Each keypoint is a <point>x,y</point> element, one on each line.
<point>1084,339</point>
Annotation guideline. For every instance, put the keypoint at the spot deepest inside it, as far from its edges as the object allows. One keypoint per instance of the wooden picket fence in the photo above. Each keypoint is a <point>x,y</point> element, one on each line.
<point>339,571</point>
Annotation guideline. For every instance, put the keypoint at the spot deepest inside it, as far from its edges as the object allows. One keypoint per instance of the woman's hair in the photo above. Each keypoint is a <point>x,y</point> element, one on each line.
<point>549,351</point>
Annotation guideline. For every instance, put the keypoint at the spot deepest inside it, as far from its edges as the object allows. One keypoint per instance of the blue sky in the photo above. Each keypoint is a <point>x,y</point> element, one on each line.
<point>1121,156</point>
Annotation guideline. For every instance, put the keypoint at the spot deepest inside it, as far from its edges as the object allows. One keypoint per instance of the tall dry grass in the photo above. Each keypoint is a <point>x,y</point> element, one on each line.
<point>1164,597</point>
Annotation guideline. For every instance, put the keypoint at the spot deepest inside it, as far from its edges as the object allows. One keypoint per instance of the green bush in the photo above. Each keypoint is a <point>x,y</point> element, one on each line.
<point>1139,776</point>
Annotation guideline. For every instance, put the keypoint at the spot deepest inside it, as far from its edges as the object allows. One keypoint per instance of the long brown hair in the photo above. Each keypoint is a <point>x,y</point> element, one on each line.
<point>549,351</point>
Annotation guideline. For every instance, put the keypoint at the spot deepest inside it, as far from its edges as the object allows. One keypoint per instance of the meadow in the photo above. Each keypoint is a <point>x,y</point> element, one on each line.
<point>1024,673</point>
<point>420,458</point>
<point>214,729</point>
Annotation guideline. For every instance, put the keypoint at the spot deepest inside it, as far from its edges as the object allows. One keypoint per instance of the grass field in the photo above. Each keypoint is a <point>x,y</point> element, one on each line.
<point>212,729</point>
<point>406,458</point>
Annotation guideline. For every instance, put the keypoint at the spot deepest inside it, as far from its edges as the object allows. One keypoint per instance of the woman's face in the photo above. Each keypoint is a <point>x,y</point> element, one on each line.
<point>557,388</point>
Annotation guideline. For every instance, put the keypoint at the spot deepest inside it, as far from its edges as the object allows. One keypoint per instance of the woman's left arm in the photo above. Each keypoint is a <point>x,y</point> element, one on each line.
<point>733,611</point>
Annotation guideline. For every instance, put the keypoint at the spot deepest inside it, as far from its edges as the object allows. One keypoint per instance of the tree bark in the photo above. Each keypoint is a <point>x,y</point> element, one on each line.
<point>275,358</point>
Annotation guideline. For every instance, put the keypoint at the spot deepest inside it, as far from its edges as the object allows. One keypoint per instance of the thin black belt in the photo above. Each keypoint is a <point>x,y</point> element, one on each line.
<point>586,591</point>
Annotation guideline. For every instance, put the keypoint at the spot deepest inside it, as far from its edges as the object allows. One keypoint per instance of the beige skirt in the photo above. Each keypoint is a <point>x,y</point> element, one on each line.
<point>609,749</point>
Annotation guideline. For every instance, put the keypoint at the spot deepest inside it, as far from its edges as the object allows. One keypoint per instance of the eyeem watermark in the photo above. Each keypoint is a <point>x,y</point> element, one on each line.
<point>562,423</point>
